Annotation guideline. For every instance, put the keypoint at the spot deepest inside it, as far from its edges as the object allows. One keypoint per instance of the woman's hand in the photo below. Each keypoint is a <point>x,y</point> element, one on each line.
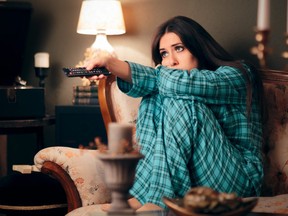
<point>99,59</point>
<point>117,67</point>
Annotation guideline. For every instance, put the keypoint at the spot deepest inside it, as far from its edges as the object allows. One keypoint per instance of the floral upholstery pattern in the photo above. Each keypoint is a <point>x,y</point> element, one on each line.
<point>276,139</point>
<point>84,168</point>
<point>125,107</point>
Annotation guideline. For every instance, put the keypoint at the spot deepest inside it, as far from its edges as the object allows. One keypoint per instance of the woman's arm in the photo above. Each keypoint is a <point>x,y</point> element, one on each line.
<point>118,67</point>
<point>144,77</point>
<point>226,85</point>
<point>144,81</point>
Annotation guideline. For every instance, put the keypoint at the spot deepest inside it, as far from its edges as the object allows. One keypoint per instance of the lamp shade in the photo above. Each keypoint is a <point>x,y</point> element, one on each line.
<point>101,16</point>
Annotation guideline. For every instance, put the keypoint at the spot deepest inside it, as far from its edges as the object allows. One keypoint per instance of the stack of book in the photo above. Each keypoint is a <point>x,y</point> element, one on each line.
<point>85,95</point>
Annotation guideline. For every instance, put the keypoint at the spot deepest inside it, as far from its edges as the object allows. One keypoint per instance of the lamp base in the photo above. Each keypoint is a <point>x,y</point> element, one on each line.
<point>100,44</point>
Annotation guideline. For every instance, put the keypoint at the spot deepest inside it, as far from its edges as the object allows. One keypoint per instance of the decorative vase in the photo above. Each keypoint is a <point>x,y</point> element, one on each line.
<point>119,174</point>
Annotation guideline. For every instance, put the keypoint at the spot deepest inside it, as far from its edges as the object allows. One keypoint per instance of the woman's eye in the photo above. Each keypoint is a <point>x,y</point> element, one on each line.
<point>164,54</point>
<point>179,48</point>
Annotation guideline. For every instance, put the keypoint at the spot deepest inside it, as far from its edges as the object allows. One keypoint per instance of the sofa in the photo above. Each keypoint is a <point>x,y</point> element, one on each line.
<point>83,178</point>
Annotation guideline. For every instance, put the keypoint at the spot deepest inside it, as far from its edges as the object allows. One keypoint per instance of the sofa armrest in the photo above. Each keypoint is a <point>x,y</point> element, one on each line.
<point>81,167</point>
<point>72,195</point>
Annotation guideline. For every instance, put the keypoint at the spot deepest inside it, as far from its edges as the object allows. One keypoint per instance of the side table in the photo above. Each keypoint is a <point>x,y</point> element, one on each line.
<point>78,125</point>
<point>15,126</point>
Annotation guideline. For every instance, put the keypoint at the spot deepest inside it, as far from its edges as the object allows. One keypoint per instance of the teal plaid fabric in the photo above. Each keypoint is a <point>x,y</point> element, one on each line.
<point>193,130</point>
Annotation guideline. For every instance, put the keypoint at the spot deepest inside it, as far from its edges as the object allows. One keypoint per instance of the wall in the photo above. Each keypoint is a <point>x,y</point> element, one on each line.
<point>54,22</point>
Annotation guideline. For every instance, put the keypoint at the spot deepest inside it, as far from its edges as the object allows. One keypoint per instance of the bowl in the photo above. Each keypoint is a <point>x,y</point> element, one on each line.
<point>176,205</point>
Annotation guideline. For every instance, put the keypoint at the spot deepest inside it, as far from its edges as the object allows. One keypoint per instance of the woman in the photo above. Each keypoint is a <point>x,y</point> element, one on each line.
<point>199,122</point>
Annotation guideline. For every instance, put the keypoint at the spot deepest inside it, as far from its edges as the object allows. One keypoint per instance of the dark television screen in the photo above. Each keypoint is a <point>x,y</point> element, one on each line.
<point>14,24</point>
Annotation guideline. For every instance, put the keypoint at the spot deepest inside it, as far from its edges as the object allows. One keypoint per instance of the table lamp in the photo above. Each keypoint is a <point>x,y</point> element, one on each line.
<point>100,18</point>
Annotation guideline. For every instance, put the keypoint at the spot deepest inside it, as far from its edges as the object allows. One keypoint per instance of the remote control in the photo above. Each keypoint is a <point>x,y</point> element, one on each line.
<point>82,72</point>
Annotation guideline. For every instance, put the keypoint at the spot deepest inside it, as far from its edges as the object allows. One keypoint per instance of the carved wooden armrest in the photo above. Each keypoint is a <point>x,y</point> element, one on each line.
<point>57,172</point>
<point>78,170</point>
<point>54,170</point>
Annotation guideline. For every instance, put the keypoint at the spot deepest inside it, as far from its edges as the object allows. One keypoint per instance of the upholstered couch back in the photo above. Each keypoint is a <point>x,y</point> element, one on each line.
<point>126,108</point>
<point>275,139</point>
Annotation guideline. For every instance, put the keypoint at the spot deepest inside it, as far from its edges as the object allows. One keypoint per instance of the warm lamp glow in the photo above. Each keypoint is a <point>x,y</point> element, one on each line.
<point>101,18</point>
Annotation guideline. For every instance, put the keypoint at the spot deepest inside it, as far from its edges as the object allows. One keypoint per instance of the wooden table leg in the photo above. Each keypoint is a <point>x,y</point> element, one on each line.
<point>40,138</point>
<point>3,155</point>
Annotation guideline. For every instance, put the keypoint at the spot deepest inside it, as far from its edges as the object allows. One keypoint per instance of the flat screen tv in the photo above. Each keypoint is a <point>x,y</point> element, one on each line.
<point>14,26</point>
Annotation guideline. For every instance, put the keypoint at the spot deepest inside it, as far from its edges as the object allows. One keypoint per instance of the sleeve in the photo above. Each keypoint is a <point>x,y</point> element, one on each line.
<point>144,81</point>
<point>226,85</point>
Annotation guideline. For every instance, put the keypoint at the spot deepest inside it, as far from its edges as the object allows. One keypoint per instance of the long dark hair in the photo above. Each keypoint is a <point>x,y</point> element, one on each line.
<point>209,53</point>
<point>197,40</point>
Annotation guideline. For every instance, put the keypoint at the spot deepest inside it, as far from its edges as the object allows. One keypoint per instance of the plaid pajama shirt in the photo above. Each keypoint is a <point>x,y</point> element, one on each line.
<point>193,130</point>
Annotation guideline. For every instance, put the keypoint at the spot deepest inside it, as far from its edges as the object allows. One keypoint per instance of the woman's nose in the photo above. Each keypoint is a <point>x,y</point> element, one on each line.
<point>173,61</point>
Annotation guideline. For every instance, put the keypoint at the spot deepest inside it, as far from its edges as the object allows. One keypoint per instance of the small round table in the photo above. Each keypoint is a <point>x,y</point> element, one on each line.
<point>16,126</point>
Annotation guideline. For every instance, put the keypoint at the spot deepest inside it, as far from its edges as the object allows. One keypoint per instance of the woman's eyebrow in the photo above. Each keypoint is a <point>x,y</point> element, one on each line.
<point>173,45</point>
<point>177,44</point>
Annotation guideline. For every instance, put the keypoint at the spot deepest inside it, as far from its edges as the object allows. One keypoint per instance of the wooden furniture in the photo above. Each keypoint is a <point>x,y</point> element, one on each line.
<point>15,126</point>
<point>31,194</point>
<point>104,96</point>
<point>108,92</point>
<point>57,172</point>
<point>116,106</point>
<point>34,193</point>
<point>78,125</point>
<point>275,133</point>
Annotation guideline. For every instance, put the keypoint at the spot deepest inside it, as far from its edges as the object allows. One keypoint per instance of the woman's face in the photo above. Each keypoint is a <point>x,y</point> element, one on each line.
<point>174,54</point>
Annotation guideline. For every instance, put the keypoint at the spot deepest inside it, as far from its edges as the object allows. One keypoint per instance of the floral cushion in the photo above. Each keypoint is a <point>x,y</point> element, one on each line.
<point>84,168</point>
<point>125,108</point>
